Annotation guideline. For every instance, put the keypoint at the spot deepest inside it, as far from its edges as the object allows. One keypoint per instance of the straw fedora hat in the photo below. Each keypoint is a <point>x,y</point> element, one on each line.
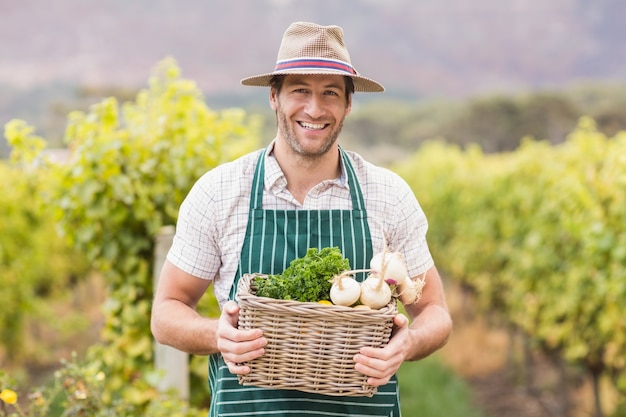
<point>308,48</point>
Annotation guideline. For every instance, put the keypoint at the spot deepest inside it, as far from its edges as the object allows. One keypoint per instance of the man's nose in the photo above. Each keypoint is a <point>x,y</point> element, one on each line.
<point>314,107</point>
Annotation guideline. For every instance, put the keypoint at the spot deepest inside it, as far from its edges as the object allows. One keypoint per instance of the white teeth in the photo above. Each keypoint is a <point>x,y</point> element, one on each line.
<point>312,126</point>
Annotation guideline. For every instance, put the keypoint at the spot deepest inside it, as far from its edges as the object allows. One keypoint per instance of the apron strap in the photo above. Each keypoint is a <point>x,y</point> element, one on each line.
<point>355,189</point>
<point>256,200</point>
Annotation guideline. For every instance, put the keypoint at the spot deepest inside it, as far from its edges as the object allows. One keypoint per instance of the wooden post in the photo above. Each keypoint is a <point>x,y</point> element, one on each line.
<point>172,362</point>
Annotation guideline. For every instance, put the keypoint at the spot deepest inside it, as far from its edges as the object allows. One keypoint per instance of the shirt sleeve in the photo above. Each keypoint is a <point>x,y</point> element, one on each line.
<point>393,209</point>
<point>408,233</point>
<point>194,249</point>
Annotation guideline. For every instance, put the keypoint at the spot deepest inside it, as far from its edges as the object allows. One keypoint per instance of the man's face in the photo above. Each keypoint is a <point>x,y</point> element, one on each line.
<point>310,110</point>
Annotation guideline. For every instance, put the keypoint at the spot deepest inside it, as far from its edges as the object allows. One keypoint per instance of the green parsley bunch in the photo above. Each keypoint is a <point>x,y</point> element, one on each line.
<point>306,279</point>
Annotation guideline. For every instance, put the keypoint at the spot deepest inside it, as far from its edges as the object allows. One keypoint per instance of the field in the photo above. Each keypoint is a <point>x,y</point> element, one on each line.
<point>530,243</point>
<point>472,376</point>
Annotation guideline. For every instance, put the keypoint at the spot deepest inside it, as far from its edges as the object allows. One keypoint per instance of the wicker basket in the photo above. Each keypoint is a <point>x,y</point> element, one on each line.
<point>311,346</point>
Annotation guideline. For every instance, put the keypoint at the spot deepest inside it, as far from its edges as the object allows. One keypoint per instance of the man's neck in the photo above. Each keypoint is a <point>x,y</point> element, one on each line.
<point>303,173</point>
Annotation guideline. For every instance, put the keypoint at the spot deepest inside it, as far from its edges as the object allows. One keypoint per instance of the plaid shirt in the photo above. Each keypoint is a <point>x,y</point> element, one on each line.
<point>213,218</point>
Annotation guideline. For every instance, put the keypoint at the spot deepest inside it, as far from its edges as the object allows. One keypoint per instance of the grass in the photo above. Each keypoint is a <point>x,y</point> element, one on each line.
<point>430,389</point>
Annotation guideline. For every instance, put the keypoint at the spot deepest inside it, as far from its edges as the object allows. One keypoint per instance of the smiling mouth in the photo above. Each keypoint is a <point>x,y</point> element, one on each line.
<point>312,126</point>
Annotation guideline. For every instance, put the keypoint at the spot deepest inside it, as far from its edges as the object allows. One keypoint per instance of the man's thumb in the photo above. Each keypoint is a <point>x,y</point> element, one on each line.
<point>231,309</point>
<point>400,320</point>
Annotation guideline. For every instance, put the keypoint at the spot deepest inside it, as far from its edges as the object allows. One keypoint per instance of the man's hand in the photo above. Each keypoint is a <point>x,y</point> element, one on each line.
<point>237,346</point>
<point>380,364</point>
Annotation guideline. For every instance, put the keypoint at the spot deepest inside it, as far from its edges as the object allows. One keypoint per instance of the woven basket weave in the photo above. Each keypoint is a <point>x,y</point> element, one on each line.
<point>311,346</point>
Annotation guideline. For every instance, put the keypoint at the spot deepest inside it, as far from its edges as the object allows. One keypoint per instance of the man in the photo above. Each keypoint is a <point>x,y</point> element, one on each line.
<point>256,200</point>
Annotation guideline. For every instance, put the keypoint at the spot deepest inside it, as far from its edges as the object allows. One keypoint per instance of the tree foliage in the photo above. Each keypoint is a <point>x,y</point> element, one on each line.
<point>497,122</point>
<point>537,234</point>
<point>36,264</point>
<point>130,167</point>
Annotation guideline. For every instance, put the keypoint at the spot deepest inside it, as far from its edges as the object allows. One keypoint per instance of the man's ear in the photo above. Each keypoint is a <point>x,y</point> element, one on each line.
<point>273,99</point>
<point>349,105</point>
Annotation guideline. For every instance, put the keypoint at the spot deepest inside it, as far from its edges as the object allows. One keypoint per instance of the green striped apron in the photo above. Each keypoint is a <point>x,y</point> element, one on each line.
<point>273,239</point>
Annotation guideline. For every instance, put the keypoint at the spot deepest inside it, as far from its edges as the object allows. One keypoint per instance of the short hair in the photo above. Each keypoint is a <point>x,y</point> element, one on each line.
<point>276,82</point>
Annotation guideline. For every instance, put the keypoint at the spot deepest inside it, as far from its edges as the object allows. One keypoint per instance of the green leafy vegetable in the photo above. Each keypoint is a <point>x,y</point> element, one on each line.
<point>306,279</point>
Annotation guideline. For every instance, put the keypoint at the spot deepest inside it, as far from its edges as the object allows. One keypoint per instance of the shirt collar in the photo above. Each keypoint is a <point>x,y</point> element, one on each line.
<point>276,181</point>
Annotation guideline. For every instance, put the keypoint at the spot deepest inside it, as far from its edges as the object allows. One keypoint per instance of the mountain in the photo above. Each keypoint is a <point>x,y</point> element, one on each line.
<point>416,48</point>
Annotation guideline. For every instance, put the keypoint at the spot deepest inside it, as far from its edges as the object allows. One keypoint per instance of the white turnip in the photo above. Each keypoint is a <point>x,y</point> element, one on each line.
<point>375,292</point>
<point>345,290</point>
<point>410,291</point>
<point>392,267</point>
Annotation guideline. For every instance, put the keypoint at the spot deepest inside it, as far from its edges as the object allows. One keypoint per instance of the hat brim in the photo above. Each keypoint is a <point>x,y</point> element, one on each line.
<point>361,84</point>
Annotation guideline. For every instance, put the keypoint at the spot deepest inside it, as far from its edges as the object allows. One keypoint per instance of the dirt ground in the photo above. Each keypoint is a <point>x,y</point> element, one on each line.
<point>503,383</point>
<point>498,396</point>
<point>480,356</point>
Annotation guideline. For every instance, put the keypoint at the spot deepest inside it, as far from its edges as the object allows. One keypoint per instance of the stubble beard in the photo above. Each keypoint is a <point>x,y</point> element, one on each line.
<point>287,132</point>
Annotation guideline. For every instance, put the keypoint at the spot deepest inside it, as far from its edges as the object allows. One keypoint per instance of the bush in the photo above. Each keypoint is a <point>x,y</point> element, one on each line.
<point>37,264</point>
<point>79,389</point>
<point>129,169</point>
